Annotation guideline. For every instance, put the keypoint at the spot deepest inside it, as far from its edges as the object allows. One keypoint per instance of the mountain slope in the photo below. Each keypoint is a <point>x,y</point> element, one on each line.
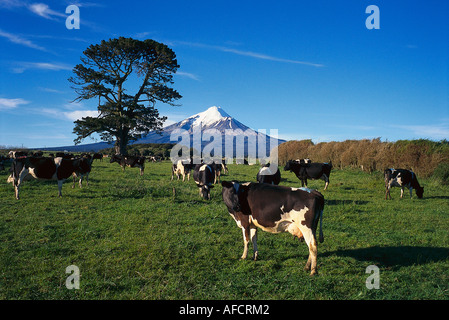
<point>212,118</point>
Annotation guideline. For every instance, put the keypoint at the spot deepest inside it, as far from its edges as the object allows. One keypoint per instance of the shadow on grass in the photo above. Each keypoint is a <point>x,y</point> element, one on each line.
<point>394,257</point>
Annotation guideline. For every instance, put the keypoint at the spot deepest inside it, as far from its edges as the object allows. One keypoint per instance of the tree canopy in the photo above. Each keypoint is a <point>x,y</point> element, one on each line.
<point>109,72</point>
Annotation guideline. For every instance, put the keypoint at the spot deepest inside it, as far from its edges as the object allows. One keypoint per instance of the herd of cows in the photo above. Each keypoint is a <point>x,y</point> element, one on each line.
<point>263,204</point>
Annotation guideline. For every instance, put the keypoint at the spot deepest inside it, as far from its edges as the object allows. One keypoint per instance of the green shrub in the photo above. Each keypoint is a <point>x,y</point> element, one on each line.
<point>441,173</point>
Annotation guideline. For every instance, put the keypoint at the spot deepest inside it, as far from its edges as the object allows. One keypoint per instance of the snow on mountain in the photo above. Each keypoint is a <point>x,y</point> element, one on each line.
<point>212,118</point>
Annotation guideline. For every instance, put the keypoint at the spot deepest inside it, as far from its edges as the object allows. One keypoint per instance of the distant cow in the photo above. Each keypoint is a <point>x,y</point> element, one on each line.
<point>204,176</point>
<point>265,175</point>
<point>312,171</point>
<point>42,168</point>
<point>97,156</point>
<point>306,160</point>
<point>183,168</point>
<point>404,179</point>
<point>275,209</point>
<point>129,161</point>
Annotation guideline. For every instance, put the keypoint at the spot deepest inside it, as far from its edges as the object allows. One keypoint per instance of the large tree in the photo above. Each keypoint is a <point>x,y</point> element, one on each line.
<point>125,112</point>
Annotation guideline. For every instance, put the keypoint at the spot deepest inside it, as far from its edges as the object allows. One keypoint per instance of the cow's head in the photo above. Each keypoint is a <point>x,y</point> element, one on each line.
<point>234,196</point>
<point>420,192</point>
<point>289,165</point>
<point>205,191</point>
<point>115,158</point>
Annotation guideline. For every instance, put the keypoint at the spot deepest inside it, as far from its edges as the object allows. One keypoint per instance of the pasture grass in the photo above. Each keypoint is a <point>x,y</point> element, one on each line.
<point>148,237</point>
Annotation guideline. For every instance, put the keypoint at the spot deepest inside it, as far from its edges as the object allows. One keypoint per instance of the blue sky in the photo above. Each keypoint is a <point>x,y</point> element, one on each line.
<point>310,69</point>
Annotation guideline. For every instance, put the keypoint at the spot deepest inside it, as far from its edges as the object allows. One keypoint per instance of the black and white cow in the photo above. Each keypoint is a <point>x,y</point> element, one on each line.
<point>265,175</point>
<point>404,179</point>
<point>129,161</point>
<point>204,176</point>
<point>306,160</point>
<point>183,168</point>
<point>42,168</point>
<point>275,209</point>
<point>312,171</point>
<point>83,169</point>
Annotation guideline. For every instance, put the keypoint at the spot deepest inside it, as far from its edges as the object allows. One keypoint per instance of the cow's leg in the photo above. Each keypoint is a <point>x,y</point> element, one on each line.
<point>73,176</point>
<point>253,234</point>
<point>246,238</point>
<point>326,179</point>
<point>188,176</point>
<point>410,189</point>
<point>87,179</point>
<point>60,182</point>
<point>16,189</point>
<point>309,237</point>
<point>402,191</point>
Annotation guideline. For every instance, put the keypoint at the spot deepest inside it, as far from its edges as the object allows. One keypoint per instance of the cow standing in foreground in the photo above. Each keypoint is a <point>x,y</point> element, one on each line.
<point>275,209</point>
<point>129,161</point>
<point>204,176</point>
<point>265,175</point>
<point>402,178</point>
<point>312,171</point>
<point>25,168</point>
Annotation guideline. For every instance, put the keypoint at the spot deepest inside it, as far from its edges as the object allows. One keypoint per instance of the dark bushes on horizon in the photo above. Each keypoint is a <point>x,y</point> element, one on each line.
<point>422,156</point>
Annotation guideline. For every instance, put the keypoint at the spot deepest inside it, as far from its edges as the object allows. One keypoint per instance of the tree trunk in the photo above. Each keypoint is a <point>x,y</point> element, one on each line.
<point>121,144</point>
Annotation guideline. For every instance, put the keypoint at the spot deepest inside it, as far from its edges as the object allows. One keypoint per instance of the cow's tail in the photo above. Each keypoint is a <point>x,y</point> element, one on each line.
<point>321,237</point>
<point>319,214</point>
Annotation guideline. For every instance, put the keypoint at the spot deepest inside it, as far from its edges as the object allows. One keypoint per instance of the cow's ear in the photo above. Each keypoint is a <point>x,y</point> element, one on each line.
<point>227,184</point>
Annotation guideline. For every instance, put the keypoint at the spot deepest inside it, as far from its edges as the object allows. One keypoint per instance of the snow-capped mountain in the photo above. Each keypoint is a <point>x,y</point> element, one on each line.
<point>212,118</point>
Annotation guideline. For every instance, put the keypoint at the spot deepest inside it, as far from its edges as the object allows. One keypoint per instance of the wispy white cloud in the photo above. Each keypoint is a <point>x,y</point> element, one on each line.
<point>43,10</point>
<point>188,75</point>
<point>71,115</point>
<point>79,114</point>
<point>435,131</point>
<point>50,90</point>
<point>11,103</point>
<point>20,40</point>
<point>21,67</point>
<point>252,54</point>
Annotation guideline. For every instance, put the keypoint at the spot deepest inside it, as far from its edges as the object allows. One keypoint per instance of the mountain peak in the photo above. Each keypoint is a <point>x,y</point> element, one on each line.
<point>209,117</point>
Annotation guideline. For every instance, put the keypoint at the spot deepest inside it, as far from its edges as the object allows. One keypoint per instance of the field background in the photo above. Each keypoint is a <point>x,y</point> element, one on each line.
<point>149,237</point>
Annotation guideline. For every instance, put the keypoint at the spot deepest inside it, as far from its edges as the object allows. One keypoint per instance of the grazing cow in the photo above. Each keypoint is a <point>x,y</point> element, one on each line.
<point>129,161</point>
<point>83,169</point>
<point>204,176</point>
<point>312,171</point>
<point>402,178</point>
<point>97,156</point>
<point>265,175</point>
<point>183,168</point>
<point>42,168</point>
<point>275,209</point>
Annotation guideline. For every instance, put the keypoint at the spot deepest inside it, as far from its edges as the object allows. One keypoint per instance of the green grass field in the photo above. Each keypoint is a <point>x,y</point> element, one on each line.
<point>149,237</point>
